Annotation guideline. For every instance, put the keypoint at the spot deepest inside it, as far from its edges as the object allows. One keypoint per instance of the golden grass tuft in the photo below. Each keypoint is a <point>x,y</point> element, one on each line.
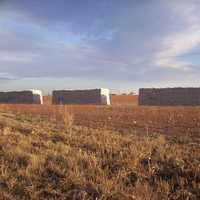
<point>58,160</point>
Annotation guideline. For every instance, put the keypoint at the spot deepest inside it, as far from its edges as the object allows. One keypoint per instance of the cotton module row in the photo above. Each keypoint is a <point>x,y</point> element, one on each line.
<point>147,97</point>
<point>94,96</point>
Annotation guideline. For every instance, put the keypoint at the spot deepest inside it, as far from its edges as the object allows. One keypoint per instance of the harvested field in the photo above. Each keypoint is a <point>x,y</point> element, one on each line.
<point>43,159</point>
<point>124,100</point>
<point>184,121</point>
<point>47,100</point>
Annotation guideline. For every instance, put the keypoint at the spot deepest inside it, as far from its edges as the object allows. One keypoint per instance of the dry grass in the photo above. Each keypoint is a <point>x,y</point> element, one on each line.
<point>180,121</point>
<point>50,158</point>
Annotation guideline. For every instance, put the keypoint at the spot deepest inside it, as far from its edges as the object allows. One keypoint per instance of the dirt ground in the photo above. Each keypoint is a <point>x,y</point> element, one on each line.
<point>184,121</point>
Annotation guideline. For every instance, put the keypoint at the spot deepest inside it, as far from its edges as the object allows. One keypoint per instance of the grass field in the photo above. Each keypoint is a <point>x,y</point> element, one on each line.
<point>121,152</point>
<point>51,159</point>
<point>180,121</point>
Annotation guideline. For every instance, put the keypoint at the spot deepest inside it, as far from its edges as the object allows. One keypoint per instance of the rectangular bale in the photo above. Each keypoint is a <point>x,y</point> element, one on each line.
<point>21,97</point>
<point>169,96</point>
<point>93,96</point>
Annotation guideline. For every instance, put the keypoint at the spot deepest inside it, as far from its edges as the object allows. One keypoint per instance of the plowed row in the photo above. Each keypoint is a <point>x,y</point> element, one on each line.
<point>145,120</point>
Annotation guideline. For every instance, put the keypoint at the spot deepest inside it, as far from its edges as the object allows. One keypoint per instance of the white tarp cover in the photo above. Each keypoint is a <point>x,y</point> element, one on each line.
<point>37,96</point>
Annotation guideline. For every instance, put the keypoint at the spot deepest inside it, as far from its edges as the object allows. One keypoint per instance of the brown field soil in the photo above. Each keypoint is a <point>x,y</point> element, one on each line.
<point>48,157</point>
<point>124,100</point>
<point>47,100</point>
<point>183,121</point>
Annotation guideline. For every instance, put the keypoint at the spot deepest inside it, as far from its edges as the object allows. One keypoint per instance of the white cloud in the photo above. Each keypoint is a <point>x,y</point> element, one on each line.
<point>6,76</point>
<point>16,57</point>
<point>132,41</point>
<point>178,43</point>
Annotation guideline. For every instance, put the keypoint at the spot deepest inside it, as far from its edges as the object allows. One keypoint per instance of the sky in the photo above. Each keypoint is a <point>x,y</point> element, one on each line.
<point>118,44</point>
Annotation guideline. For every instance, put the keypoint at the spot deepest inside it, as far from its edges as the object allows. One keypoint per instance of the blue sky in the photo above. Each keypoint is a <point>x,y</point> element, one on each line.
<point>118,44</point>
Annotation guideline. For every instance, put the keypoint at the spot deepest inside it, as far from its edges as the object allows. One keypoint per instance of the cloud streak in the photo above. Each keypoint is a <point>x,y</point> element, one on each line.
<point>181,42</point>
<point>100,41</point>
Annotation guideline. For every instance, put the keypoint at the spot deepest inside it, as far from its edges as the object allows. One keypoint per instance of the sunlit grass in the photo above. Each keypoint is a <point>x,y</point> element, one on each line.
<point>43,159</point>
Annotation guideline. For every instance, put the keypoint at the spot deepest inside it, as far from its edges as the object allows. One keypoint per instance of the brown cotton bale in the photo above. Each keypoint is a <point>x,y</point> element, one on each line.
<point>21,97</point>
<point>169,96</point>
<point>93,96</point>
